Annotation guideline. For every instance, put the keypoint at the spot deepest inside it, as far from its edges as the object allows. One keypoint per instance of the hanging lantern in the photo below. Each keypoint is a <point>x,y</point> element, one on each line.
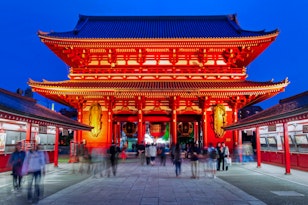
<point>185,128</point>
<point>219,120</point>
<point>157,130</point>
<point>130,129</point>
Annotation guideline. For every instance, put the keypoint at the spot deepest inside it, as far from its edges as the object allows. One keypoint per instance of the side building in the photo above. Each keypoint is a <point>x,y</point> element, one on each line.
<point>22,119</point>
<point>280,133</point>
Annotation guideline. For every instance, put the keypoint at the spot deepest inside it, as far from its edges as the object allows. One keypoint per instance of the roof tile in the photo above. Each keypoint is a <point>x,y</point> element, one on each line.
<point>135,27</point>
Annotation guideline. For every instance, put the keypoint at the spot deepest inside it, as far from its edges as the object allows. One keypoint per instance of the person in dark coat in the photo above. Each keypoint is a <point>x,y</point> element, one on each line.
<point>194,160</point>
<point>177,159</point>
<point>16,161</point>
<point>220,155</point>
<point>114,153</point>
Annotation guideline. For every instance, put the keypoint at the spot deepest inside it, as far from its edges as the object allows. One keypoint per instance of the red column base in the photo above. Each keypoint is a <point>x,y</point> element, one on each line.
<point>73,159</point>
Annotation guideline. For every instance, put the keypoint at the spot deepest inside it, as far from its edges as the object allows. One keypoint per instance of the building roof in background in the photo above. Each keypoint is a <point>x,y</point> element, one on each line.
<point>289,109</point>
<point>14,106</point>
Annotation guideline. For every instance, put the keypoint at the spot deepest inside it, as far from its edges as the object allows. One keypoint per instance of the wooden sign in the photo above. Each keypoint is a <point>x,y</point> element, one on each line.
<point>305,128</point>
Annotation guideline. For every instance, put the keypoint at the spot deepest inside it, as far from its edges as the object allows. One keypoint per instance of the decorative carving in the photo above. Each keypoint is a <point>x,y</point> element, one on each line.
<point>219,112</point>
<point>141,56</point>
<point>95,117</point>
<point>173,56</point>
<point>202,56</point>
<point>236,56</point>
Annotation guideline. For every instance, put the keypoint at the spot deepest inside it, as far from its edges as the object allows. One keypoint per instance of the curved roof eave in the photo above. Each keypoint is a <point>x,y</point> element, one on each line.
<point>94,86</point>
<point>274,34</point>
<point>268,120</point>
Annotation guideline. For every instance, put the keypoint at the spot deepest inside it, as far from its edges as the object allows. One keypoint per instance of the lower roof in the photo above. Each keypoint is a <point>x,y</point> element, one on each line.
<point>290,109</point>
<point>136,85</point>
<point>14,106</point>
<point>129,89</point>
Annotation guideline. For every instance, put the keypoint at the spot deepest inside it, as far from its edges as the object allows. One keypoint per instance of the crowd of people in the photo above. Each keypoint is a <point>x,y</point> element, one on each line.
<point>104,162</point>
<point>216,158</point>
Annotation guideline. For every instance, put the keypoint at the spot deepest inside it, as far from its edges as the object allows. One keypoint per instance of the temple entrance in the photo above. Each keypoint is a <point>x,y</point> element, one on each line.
<point>157,129</point>
<point>153,132</point>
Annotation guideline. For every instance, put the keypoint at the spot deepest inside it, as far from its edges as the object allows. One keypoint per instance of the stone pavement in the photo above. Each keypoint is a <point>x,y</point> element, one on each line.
<point>136,184</point>
<point>151,185</point>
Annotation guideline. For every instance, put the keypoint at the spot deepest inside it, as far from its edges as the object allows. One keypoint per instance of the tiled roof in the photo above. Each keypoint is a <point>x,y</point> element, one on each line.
<point>13,104</point>
<point>155,85</point>
<point>156,27</point>
<point>295,107</point>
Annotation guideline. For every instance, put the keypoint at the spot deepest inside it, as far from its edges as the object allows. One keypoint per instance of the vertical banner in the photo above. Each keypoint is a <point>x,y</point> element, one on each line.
<point>2,141</point>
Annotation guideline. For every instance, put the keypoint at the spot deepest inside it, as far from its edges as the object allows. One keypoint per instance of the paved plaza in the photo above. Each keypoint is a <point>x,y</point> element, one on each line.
<point>158,185</point>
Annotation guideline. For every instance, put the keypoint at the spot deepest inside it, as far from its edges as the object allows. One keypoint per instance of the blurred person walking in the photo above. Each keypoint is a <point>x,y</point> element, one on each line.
<point>194,160</point>
<point>16,162</point>
<point>212,160</point>
<point>177,159</point>
<point>97,161</point>
<point>220,157</point>
<point>153,153</point>
<point>114,155</point>
<point>35,166</point>
<point>141,152</point>
<point>226,156</point>
<point>147,153</point>
<point>162,154</point>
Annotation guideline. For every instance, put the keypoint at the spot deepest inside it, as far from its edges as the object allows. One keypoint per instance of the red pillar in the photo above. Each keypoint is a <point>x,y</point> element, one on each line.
<point>204,127</point>
<point>28,135</point>
<point>286,148</point>
<point>174,122</point>
<point>56,149</point>
<point>240,145</point>
<point>79,118</point>
<point>140,124</point>
<point>196,132</point>
<point>110,120</point>
<point>258,147</point>
<point>235,132</point>
<point>73,148</point>
<point>118,132</point>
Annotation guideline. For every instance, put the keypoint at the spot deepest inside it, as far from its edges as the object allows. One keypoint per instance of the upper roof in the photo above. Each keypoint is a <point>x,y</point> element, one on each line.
<point>156,27</point>
<point>16,107</point>
<point>289,109</point>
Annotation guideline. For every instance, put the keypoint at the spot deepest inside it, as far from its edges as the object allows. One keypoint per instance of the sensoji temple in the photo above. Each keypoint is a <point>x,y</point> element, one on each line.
<point>138,75</point>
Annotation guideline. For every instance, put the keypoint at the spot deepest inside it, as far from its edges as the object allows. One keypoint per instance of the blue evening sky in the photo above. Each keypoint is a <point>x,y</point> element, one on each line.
<point>23,56</point>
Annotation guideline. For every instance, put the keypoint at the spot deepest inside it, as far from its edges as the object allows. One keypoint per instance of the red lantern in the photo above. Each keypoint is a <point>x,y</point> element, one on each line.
<point>130,129</point>
<point>185,128</point>
<point>157,130</point>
